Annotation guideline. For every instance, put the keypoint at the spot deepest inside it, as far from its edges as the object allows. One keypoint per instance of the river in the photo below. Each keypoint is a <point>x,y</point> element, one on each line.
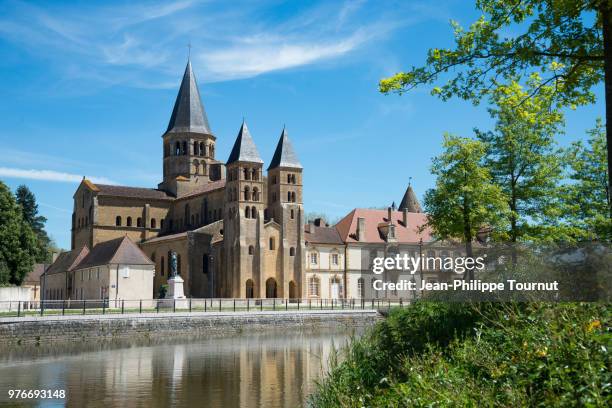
<point>273,369</point>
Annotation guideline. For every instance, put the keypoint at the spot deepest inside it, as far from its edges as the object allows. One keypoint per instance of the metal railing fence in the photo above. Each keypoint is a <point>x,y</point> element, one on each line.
<point>125,306</point>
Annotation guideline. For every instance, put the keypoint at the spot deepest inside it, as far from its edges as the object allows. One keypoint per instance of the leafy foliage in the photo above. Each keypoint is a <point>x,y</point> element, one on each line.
<point>523,158</point>
<point>29,209</point>
<point>456,354</point>
<point>17,240</point>
<point>587,199</point>
<point>562,39</point>
<point>465,199</point>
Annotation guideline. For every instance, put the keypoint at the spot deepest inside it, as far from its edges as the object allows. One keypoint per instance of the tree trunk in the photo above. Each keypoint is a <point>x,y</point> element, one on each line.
<point>467,236</point>
<point>606,19</point>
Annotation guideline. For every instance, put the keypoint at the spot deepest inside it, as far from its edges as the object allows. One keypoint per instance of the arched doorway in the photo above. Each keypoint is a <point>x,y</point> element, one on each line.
<point>249,289</point>
<point>292,290</point>
<point>271,288</point>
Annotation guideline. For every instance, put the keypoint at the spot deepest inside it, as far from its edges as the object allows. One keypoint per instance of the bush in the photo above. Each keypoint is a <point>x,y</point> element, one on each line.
<point>488,354</point>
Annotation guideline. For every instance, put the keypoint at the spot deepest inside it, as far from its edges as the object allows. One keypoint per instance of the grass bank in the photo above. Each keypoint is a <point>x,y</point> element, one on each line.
<point>441,354</point>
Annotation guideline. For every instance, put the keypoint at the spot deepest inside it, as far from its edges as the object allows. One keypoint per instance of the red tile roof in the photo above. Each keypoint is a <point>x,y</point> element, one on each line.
<point>347,227</point>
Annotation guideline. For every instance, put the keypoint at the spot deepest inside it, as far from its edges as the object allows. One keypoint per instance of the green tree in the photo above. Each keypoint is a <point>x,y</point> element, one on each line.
<point>588,197</point>
<point>569,41</point>
<point>17,240</point>
<point>523,159</point>
<point>465,198</point>
<point>29,209</point>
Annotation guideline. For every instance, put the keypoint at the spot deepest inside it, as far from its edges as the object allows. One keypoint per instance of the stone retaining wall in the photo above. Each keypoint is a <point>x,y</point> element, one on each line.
<point>107,327</point>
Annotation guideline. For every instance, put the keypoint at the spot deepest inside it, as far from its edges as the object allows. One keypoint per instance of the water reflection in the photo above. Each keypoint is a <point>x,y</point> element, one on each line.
<point>274,369</point>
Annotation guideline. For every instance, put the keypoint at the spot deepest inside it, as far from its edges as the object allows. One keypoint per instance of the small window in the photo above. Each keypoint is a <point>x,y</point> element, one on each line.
<point>313,286</point>
<point>360,288</point>
<point>118,221</point>
<point>334,259</point>
<point>154,223</point>
<point>292,214</point>
<point>129,221</point>
<point>139,222</point>
<point>314,258</point>
<point>162,266</point>
<point>292,251</point>
<point>271,243</point>
<point>251,250</point>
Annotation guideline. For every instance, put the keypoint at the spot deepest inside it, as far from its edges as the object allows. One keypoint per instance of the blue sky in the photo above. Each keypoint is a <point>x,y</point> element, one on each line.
<point>87,89</point>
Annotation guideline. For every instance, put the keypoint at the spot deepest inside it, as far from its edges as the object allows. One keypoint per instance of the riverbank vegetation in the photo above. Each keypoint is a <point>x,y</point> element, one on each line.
<point>488,354</point>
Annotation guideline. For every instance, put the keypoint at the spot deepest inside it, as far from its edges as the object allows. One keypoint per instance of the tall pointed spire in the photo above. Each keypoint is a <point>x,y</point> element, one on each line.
<point>188,114</point>
<point>244,147</point>
<point>284,155</point>
<point>410,202</point>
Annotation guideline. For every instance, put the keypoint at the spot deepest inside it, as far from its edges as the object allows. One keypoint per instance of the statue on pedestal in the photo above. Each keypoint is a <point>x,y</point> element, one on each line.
<point>173,264</point>
<point>175,282</point>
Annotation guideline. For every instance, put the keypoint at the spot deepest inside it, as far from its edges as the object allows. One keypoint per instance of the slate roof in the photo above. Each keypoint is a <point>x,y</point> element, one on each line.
<point>322,235</point>
<point>34,275</point>
<point>116,251</point>
<point>188,114</point>
<point>410,201</point>
<point>284,155</point>
<point>347,227</point>
<point>134,192</point>
<point>204,188</point>
<point>67,261</point>
<point>244,147</point>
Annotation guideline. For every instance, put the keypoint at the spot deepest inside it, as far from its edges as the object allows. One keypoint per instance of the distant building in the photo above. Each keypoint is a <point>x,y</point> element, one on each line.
<point>32,280</point>
<point>112,270</point>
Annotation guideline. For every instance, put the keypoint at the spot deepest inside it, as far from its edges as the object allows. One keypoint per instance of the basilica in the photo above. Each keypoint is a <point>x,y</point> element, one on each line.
<point>237,226</point>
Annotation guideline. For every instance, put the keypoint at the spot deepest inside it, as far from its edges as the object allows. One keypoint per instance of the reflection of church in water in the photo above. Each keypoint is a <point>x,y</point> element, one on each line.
<point>258,370</point>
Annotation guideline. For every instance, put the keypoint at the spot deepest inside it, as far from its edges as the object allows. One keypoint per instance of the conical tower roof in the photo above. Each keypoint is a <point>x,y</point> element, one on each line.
<point>284,155</point>
<point>244,148</point>
<point>410,202</point>
<point>188,114</point>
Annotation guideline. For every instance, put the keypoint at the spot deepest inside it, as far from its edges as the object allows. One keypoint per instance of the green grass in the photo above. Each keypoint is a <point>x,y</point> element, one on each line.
<point>492,355</point>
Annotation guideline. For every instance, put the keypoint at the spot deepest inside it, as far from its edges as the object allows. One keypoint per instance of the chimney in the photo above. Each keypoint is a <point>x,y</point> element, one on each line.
<point>389,215</point>
<point>360,229</point>
<point>405,217</point>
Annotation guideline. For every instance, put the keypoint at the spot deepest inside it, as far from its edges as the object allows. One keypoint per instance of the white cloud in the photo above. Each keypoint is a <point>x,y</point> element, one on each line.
<point>146,46</point>
<point>49,175</point>
<point>251,59</point>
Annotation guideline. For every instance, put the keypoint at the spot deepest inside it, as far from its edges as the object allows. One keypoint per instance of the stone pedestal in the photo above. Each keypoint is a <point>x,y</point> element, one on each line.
<point>175,288</point>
